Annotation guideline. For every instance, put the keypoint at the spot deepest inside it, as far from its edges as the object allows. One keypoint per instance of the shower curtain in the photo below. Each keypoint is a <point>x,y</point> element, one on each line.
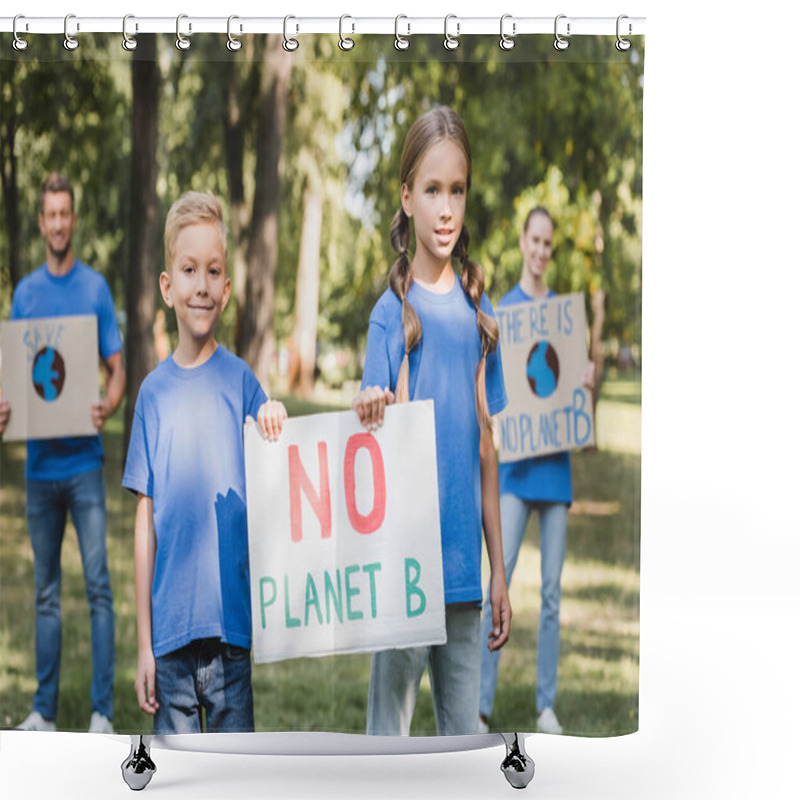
<point>303,148</point>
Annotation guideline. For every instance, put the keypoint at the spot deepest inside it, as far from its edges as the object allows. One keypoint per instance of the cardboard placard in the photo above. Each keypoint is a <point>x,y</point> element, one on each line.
<point>50,376</point>
<point>344,532</point>
<point>544,352</point>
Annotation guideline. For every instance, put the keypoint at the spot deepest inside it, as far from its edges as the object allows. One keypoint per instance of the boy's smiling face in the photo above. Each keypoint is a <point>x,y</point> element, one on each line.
<point>196,283</point>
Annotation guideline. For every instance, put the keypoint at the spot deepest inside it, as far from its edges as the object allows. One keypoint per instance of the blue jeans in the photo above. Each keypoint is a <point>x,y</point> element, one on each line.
<point>84,496</point>
<point>209,675</point>
<point>454,671</point>
<point>514,514</point>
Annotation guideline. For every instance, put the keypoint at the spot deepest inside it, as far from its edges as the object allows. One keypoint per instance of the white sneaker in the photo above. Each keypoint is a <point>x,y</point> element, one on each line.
<point>483,725</point>
<point>100,723</point>
<point>36,722</point>
<point>548,722</point>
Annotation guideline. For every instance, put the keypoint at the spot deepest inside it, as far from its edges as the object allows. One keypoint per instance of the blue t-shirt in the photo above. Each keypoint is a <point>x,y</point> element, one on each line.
<point>187,453</point>
<point>442,367</point>
<point>82,290</point>
<point>541,478</point>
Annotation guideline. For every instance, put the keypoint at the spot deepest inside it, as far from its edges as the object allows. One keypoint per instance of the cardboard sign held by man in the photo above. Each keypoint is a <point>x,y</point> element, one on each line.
<point>50,376</point>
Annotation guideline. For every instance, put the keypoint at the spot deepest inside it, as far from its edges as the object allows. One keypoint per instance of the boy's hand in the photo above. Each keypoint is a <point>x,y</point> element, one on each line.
<point>370,404</point>
<point>501,612</point>
<point>101,411</point>
<point>146,683</point>
<point>5,414</point>
<point>271,417</point>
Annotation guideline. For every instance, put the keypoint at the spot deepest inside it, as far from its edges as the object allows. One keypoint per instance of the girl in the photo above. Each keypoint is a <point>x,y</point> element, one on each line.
<point>543,484</point>
<point>432,335</point>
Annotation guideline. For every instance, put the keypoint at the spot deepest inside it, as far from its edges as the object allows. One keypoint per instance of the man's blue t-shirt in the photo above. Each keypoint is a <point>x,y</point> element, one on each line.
<point>543,478</point>
<point>187,453</point>
<point>442,367</point>
<point>82,290</point>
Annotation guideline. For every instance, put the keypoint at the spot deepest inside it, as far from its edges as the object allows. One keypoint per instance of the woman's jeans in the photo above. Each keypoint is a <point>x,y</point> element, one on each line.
<point>514,514</point>
<point>84,496</point>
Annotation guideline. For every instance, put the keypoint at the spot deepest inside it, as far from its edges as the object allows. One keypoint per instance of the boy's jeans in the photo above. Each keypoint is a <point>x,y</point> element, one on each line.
<point>205,674</point>
<point>514,513</point>
<point>454,671</point>
<point>84,496</point>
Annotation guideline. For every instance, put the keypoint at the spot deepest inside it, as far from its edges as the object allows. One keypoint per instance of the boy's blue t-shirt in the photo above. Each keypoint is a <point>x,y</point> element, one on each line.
<point>187,453</point>
<point>442,367</point>
<point>82,290</point>
<point>543,478</point>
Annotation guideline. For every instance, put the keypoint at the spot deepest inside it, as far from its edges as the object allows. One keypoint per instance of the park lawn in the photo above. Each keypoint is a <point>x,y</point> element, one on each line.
<point>598,674</point>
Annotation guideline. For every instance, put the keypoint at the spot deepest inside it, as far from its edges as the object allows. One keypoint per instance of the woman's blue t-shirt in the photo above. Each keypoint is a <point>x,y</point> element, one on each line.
<point>442,367</point>
<point>543,478</point>
<point>187,453</point>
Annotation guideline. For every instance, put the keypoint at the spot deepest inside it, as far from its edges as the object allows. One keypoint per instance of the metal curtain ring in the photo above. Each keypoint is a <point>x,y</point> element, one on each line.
<point>623,44</point>
<point>182,42</point>
<point>70,42</point>
<point>451,42</point>
<point>345,43</point>
<point>560,42</point>
<point>507,42</point>
<point>19,43</point>
<point>400,42</point>
<point>128,42</point>
<point>289,44</point>
<point>233,44</point>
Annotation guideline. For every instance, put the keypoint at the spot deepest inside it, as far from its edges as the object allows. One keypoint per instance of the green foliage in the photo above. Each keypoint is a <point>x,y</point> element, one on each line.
<point>58,100</point>
<point>563,129</point>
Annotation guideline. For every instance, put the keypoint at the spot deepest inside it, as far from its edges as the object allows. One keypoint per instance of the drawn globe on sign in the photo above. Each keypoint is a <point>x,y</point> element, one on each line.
<point>48,374</point>
<point>542,369</point>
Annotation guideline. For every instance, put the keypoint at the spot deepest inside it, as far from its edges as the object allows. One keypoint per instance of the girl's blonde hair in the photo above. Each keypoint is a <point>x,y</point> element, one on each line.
<point>437,125</point>
<point>189,209</point>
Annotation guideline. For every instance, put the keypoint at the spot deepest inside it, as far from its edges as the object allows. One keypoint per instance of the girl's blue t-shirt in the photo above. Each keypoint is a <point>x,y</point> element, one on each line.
<point>442,368</point>
<point>186,452</point>
<point>82,290</point>
<point>543,478</point>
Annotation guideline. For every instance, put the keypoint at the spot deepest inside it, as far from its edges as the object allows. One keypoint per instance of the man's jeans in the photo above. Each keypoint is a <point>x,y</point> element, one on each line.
<point>84,496</point>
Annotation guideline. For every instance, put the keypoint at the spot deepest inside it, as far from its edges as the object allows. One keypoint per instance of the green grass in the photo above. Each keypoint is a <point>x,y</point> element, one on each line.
<point>598,673</point>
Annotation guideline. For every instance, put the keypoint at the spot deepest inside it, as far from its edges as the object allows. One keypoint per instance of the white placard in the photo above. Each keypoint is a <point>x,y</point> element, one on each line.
<point>344,532</point>
<point>50,376</point>
<point>544,352</point>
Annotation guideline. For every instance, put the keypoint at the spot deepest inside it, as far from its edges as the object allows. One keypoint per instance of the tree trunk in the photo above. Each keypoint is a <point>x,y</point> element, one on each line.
<point>306,305</point>
<point>234,162</point>
<point>140,290</point>
<point>255,338</point>
<point>8,132</point>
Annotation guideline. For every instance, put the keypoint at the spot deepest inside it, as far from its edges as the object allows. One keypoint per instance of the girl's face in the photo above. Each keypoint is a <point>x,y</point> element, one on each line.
<point>536,243</point>
<point>437,202</point>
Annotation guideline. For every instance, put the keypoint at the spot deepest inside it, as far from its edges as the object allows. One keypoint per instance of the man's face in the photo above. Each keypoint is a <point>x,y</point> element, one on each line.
<point>57,223</point>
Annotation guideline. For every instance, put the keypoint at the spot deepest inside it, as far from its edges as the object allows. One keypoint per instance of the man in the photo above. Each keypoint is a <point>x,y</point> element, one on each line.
<point>66,474</point>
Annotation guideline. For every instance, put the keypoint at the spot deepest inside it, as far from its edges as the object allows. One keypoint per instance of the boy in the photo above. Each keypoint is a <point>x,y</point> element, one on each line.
<point>186,462</point>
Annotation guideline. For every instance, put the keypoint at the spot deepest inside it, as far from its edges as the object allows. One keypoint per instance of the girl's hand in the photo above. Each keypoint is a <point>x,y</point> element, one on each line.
<point>588,375</point>
<point>370,404</point>
<point>146,682</point>
<point>271,416</point>
<point>501,611</point>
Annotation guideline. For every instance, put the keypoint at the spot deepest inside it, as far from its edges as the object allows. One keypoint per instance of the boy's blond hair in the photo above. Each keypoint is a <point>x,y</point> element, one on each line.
<point>189,209</point>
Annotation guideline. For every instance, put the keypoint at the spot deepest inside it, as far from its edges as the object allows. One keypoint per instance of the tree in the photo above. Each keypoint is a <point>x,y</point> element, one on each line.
<point>140,294</point>
<point>255,338</point>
